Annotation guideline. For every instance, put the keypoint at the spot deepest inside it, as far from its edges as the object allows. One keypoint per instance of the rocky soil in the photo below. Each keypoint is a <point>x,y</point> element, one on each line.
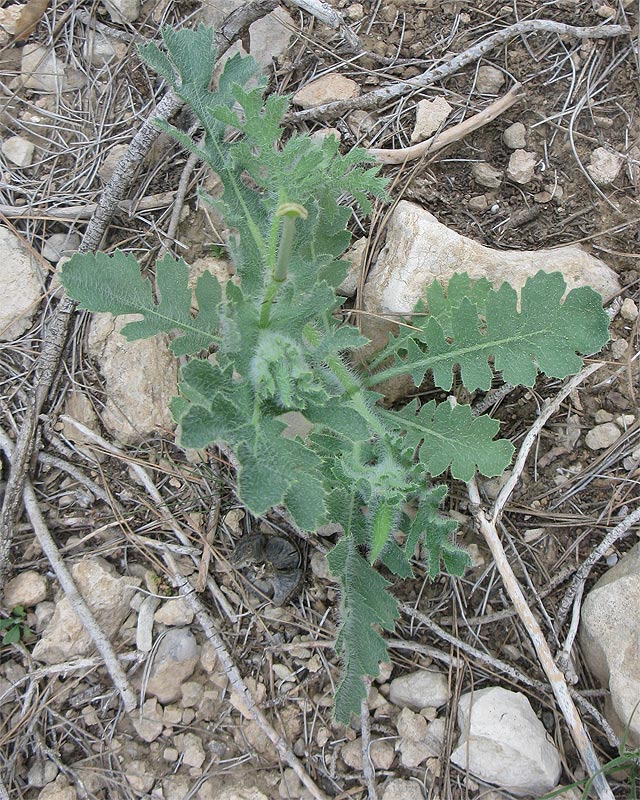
<point>464,709</point>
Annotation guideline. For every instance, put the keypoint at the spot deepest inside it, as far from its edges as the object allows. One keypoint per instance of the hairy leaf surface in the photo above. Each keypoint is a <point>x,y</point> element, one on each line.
<point>450,436</point>
<point>365,603</point>
<point>547,333</point>
<point>101,282</point>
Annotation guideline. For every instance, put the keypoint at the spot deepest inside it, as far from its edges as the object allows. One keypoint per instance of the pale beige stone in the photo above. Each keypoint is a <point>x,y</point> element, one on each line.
<point>325,90</point>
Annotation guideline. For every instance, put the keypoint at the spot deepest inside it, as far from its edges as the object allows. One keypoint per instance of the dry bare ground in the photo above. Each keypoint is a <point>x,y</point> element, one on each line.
<point>150,508</point>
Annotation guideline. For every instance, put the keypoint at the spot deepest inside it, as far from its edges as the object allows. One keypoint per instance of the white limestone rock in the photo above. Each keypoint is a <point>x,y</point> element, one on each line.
<point>174,613</point>
<point>27,589</point>
<point>486,175</point>
<point>515,136</point>
<point>42,772</point>
<point>382,754</point>
<point>79,407</point>
<point>424,688</point>
<point>629,310</point>
<point>610,639</point>
<point>58,790</point>
<point>147,721</point>
<point>351,754</point>
<point>140,376</point>
<point>139,776</point>
<point>503,742</point>
<point>123,11</point>
<point>41,70</point>
<point>113,158</point>
<point>325,90</point>
<point>268,37</point>
<point>604,166</point>
<point>490,80</point>
<point>521,166</point>
<point>192,749</point>
<point>9,19</point>
<point>430,115</point>
<point>400,789</point>
<point>175,660</point>
<point>21,286</point>
<point>60,245</point>
<point>354,256</point>
<point>602,436</point>
<point>18,150</point>
<point>108,596</point>
<point>419,249</point>
<point>419,739</point>
<point>99,49</point>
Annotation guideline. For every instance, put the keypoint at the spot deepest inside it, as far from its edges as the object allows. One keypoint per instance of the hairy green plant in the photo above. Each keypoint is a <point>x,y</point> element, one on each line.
<point>15,627</point>
<point>268,342</point>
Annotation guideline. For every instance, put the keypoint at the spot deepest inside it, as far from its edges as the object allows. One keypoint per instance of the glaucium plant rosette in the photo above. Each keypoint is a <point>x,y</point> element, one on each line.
<point>270,343</point>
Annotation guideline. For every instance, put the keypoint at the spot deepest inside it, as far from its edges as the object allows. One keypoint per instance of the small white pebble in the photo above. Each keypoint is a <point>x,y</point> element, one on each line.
<point>602,436</point>
<point>629,310</point>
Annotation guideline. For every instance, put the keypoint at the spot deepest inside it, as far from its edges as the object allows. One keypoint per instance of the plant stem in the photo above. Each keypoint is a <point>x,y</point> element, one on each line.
<point>289,212</point>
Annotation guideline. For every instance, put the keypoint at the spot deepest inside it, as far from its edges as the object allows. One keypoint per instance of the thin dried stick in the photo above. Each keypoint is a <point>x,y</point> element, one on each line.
<point>365,730</point>
<point>208,626</point>
<point>394,90</point>
<point>548,409</point>
<point>582,573</point>
<point>556,678</point>
<point>447,137</point>
<point>87,210</point>
<point>78,603</point>
<point>563,657</point>
<point>49,358</point>
<point>180,195</point>
<point>157,499</point>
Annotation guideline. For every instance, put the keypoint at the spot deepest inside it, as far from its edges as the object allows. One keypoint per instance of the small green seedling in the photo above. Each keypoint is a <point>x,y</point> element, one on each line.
<point>14,626</point>
<point>271,341</point>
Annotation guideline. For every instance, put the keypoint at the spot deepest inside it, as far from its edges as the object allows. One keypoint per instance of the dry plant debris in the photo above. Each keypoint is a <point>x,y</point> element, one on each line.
<point>262,678</point>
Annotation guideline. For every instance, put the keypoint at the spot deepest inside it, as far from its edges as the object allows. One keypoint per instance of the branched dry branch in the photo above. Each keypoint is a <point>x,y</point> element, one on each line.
<point>582,573</point>
<point>78,603</point>
<point>392,91</point>
<point>49,358</point>
<point>487,523</point>
<point>451,135</point>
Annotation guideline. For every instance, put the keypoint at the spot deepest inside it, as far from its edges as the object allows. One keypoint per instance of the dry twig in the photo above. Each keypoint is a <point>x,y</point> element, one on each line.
<point>392,91</point>
<point>451,135</point>
<point>487,524</point>
<point>78,603</point>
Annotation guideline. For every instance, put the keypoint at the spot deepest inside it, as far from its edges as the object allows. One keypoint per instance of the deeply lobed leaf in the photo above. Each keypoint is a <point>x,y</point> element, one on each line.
<point>365,604</point>
<point>546,334</point>
<point>113,283</point>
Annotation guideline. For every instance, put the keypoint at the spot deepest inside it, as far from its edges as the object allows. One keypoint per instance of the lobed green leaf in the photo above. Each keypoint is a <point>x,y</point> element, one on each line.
<point>546,334</point>
<point>365,604</point>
